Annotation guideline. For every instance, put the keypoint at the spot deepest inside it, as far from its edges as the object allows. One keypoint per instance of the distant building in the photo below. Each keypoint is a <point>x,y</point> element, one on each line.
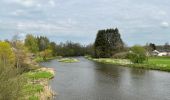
<point>160,53</point>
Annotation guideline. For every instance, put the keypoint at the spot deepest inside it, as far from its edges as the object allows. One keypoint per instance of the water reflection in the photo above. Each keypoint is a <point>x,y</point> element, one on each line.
<point>89,80</point>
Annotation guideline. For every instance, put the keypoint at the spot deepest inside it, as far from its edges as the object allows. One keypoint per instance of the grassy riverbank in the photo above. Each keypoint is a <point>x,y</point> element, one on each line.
<point>154,63</point>
<point>68,60</point>
<point>41,59</point>
<point>37,87</point>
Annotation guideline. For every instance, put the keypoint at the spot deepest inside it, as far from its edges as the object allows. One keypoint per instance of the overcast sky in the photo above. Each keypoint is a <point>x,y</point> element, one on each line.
<point>139,21</point>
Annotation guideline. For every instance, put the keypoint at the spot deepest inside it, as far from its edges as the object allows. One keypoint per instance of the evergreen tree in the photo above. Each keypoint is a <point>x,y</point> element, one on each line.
<point>107,43</point>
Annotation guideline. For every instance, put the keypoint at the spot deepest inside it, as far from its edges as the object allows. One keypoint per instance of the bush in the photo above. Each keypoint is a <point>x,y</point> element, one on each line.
<point>137,54</point>
<point>6,53</point>
<point>121,55</point>
<point>11,82</point>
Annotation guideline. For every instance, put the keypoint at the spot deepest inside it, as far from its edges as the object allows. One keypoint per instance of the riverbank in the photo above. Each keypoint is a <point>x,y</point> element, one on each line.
<point>41,59</point>
<point>153,63</point>
<point>37,87</point>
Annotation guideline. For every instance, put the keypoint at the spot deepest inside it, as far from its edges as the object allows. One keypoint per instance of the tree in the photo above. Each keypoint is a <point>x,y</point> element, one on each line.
<point>7,55</point>
<point>53,48</point>
<point>31,43</point>
<point>167,47</point>
<point>107,43</point>
<point>152,46</point>
<point>89,50</point>
<point>46,53</point>
<point>70,49</point>
<point>43,43</point>
<point>137,54</point>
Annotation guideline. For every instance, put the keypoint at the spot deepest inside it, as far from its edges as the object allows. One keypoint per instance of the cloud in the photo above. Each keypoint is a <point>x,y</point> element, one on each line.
<point>26,3</point>
<point>18,12</point>
<point>165,24</point>
<point>52,3</point>
<point>162,13</point>
<point>78,18</point>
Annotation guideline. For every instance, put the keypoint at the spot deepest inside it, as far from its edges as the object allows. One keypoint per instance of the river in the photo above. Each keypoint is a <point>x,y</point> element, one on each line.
<point>88,80</point>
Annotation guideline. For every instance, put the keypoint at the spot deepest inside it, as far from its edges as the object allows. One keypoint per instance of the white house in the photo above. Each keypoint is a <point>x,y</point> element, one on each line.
<point>158,53</point>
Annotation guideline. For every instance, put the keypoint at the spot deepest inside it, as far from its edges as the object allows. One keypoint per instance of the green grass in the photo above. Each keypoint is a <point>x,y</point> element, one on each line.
<point>155,63</point>
<point>33,98</point>
<point>39,75</point>
<point>33,88</point>
<point>68,60</point>
<point>159,60</point>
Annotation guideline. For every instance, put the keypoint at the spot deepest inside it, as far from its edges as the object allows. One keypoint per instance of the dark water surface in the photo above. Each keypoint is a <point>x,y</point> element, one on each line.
<point>88,80</point>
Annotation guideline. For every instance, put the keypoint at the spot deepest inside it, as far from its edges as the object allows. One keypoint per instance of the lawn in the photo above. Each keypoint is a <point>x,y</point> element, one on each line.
<point>159,61</point>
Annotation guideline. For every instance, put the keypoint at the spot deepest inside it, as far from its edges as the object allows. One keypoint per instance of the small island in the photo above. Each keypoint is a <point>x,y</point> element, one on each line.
<point>68,60</point>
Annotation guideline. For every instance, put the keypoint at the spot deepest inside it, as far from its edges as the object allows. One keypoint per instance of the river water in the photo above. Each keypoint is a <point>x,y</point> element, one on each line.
<point>88,80</point>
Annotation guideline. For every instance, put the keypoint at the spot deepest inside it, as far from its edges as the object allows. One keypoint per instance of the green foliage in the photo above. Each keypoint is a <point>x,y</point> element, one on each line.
<point>89,50</point>
<point>137,54</point>
<point>11,83</point>
<point>70,49</point>
<point>31,43</point>
<point>47,53</point>
<point>53,48</point>
<point>7,55</point>
<point>107,43</point>
<point>43,43</point>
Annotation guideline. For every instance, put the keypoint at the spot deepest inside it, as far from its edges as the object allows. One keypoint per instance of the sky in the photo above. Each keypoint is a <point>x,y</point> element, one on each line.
<point>139,21</point>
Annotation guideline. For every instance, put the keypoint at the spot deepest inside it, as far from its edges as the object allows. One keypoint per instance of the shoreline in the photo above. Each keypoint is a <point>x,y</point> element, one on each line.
<point>127,63</point>
<point>37,86</point>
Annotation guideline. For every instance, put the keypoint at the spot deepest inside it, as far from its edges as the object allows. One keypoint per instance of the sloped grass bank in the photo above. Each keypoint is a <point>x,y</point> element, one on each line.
<point>37,86</point>
<point>154,63</point>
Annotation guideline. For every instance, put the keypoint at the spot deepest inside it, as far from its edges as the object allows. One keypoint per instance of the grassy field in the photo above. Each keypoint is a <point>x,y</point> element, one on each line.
<point>154,63</point>
<point>68,60</point>
<point>165,61</point>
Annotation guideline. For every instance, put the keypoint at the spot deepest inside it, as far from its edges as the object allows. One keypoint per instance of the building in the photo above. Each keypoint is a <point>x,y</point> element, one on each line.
<point>160,53</point>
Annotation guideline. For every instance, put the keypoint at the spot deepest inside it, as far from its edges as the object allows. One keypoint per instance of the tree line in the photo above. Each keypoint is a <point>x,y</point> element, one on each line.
<point>107,43</point>
<point>42,46</point>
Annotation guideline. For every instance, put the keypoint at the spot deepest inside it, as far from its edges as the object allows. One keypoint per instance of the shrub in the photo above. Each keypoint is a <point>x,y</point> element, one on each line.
<point>121,55</point>
<point>6,53</point>
<point>11,83</point>
<point>137,54</point>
